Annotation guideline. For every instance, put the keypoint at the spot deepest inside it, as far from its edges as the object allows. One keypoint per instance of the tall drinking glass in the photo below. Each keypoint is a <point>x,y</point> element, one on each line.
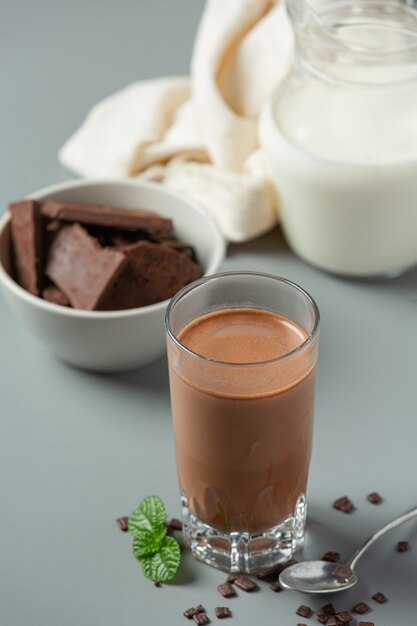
<point>242,353</point>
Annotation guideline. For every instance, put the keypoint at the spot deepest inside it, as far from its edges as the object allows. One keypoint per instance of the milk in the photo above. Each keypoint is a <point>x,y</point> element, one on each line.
<point>341,141</point>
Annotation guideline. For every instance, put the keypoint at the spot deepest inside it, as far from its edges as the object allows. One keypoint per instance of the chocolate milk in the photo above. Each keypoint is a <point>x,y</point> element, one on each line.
<point>243,427</point>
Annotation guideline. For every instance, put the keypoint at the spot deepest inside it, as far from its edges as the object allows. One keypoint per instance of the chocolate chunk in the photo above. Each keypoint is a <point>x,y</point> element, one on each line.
<point>365,624</point>
<point>332,557</point>
<point>344,617</point>
<point>332,621</point>
<point>175,524</point>
<point>361,608</point>
<point>329,609</point>
<point>201,619</point>
<point>122,523</point>
<point>222,612</point>
<point>189,613</point>
<point>304,611</point>
<point>403,546</point>
<point>152,273</point>
<point>226,590</point>
<point>245,583</point>
<point>322,617</point>
<point>379,597</point>
<point>343,504</point>
<point>26,231</point>
<point>275,587</point>
<point>80,268</point>
<point>157,583</point>
<point>343,571</point>
<point>232,577</point>
<point>102,215</point>
<point>374,498</point>
<point>55,295</point>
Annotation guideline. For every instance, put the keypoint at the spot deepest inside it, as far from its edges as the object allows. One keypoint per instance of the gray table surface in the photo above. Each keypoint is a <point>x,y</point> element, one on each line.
<point>77,450</point>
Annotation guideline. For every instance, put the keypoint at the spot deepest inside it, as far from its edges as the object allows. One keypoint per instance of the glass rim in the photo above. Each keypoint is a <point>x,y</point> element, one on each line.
<point>197,283</point>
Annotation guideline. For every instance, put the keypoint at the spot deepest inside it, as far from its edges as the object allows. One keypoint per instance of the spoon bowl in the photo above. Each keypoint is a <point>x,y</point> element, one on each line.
<point>320,577</point>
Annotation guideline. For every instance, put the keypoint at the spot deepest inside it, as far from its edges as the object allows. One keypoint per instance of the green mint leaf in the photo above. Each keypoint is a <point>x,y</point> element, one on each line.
<point>150,513</point>
<point>162,566</point>
<point>148,542</point>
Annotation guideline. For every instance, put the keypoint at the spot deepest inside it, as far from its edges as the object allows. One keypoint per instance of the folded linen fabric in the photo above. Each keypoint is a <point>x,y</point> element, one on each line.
<point>199,134</point>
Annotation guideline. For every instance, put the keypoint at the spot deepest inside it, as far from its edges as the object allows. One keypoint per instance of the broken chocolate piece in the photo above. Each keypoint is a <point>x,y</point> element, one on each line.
<point>322,617</point>
<point>361,608</point>
<point>189,613</point>
<point>175,524</point>
<point>304,611</point>
<point>102,215</point>
<point>55,295</point>
<point>331,557</point>
<point>26,232</point>
<point>157,583</point>
<point>365,624</point>
<point>332,621</point>
<point>222,612</point>
<point>343,504</point>
<point>379,597</point>
<point>374,498</point>
<point>275,587</point>
<point>329,609</point>
<point>226,590</point>
<point>201,619</point>
<point>245,583</point>
<point>152,273</point>
<point>122,523</point>
<point>232,577</point>
<point>344,617</point>
<point>403,546</point>
<point>81,269</point>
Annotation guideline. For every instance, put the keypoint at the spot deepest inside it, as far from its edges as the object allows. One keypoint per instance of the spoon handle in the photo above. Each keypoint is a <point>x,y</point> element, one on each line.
<point>393,524</point>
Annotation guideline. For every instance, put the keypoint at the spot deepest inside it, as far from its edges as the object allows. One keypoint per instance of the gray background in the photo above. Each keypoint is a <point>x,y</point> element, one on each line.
<point>77,450</point>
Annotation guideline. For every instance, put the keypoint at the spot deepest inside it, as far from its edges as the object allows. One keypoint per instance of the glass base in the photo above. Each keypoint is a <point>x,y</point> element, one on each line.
<point>250,553</point>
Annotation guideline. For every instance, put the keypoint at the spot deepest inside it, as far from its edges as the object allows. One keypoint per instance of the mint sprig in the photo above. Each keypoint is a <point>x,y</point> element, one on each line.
<point>158,554</point>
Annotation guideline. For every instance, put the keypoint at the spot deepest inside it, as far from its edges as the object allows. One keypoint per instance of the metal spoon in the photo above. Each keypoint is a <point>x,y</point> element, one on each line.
<point>324,577</point>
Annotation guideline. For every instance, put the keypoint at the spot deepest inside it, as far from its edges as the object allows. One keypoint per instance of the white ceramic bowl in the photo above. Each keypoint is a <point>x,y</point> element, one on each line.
<point>110,340</point>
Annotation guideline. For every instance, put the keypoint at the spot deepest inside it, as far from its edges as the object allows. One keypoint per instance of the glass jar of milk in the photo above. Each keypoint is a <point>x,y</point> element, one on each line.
<point>341,136</point>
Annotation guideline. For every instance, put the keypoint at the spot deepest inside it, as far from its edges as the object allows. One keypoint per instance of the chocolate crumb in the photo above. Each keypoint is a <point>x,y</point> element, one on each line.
<point>275,587</point>
<point>343,504</point>
<point>379,597</point>
<point>222,612</point>
<point>245,583</point>
<point>157,583</point>
<point>201,619</point>
<point>374,498</point>
<point>361,608</point>
<point>329,609</point>
<point>332,557</point>
<point>344,617</point>
<point>403,546</point>
<point>226,590</point>
<point>322,617</point>
<point>174,524</point>
<point>304,611</point>
<point>232,577</point>
<point>122,523</point>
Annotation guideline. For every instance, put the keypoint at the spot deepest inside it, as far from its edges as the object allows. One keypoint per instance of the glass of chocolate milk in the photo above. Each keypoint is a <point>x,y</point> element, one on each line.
<point>242,353</point>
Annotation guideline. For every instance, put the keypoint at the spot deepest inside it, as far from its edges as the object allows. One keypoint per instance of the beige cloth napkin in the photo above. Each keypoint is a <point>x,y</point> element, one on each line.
<point>199,134</point>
